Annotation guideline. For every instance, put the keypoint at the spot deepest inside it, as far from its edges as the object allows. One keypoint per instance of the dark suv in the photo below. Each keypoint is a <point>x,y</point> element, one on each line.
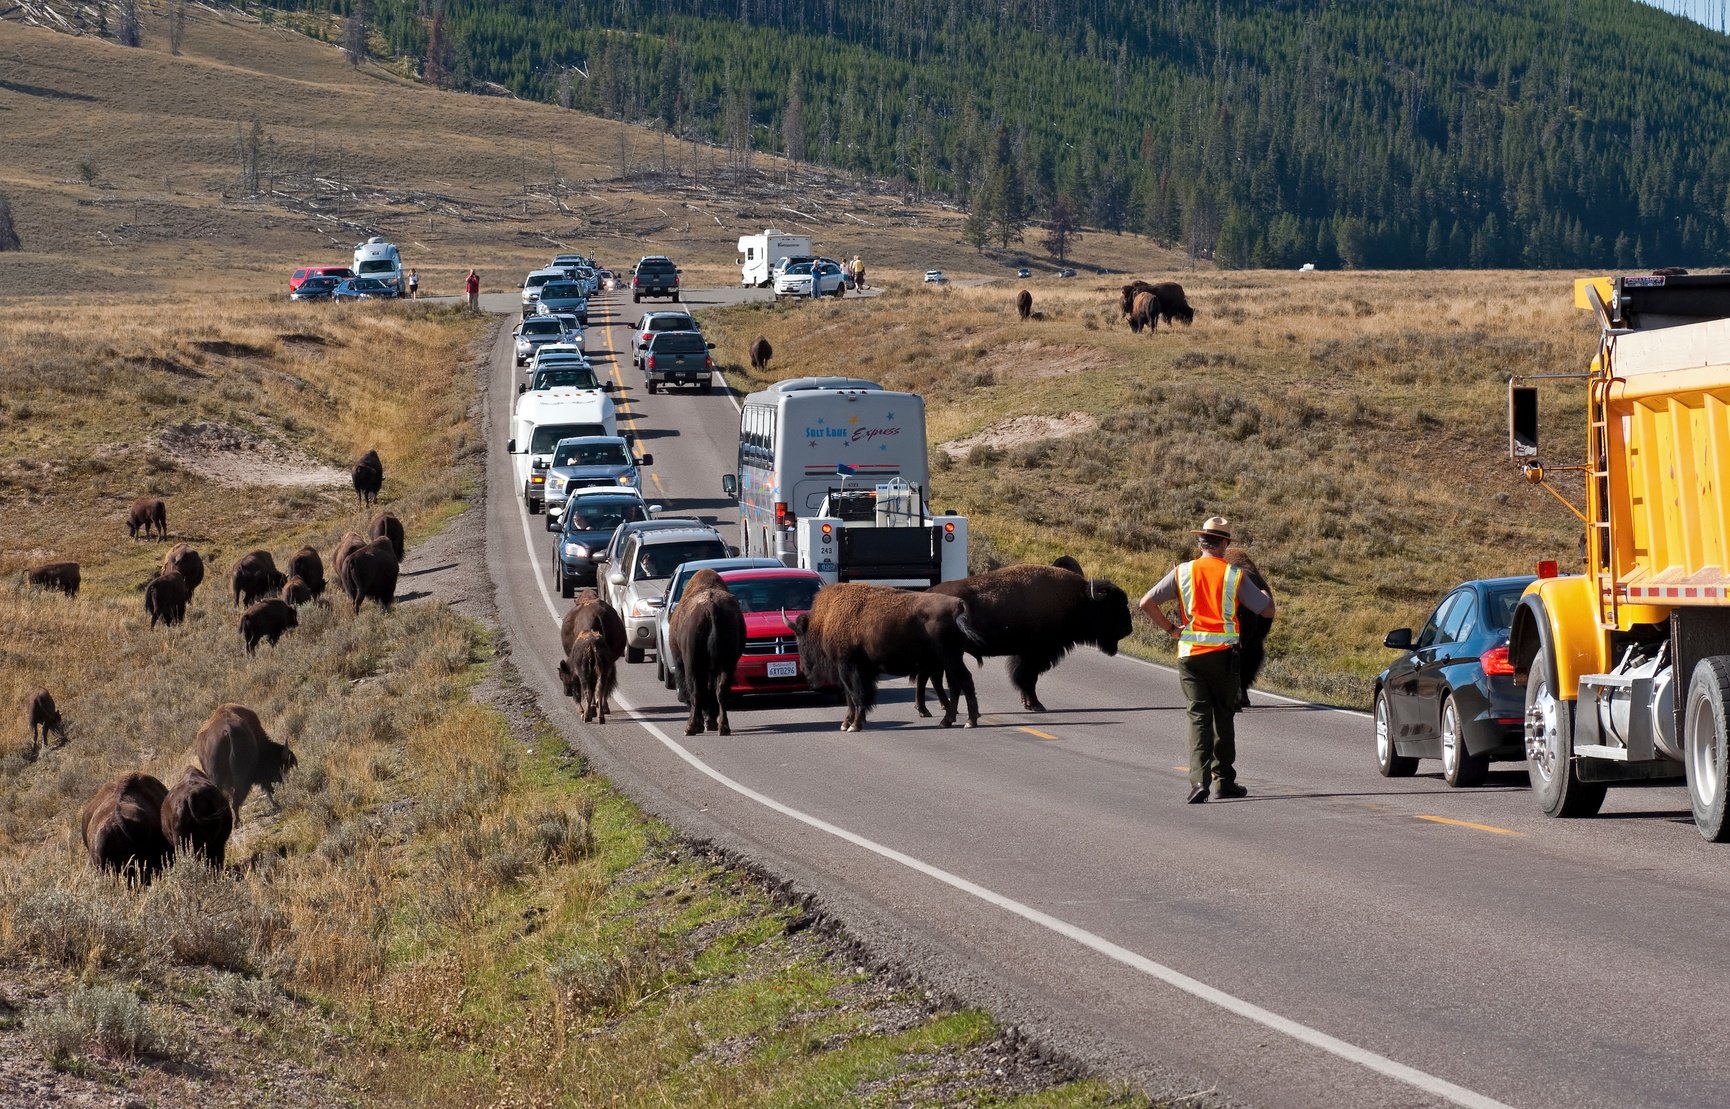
<point>656,276</point>
<point>677,358</point>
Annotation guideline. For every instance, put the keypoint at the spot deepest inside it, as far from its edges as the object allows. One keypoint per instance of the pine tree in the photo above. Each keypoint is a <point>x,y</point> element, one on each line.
<point>1061,228</point>
<point>437,69</point>
<point>356,30</point>
<point>793,122</point>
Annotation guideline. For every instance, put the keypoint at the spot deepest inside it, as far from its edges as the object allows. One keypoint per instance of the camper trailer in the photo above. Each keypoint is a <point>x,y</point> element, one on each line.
<point>377,258</point>
<point>759,253</point>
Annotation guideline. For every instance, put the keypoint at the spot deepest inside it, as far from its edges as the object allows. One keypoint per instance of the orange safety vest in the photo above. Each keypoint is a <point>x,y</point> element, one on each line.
<point>1207,590</point>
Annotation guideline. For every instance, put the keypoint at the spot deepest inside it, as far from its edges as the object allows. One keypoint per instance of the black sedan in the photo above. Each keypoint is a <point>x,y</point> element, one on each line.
<point>315,288</point>
<point>364,288</point>
<point>1451,694</point>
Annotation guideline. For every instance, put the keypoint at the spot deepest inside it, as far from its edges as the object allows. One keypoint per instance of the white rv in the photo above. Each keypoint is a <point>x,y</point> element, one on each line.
<point>758,254</point>
<point>377,258</point>
<point>543,418</point>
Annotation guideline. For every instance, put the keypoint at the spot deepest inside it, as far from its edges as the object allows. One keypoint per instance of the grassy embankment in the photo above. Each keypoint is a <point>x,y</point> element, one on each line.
<point>1351,425</point>
<point>444,909</point>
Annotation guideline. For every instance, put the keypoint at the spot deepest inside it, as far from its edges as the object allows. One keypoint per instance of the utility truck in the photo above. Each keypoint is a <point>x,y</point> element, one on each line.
<point>759,253</point>
<point>542,419</point>
<point>1627,666</point>
<point>832,476</point>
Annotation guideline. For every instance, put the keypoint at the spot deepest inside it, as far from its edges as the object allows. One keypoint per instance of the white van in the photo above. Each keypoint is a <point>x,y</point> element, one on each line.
<point>540,421</point>
<point>759,253</point>
<point>377,258</point>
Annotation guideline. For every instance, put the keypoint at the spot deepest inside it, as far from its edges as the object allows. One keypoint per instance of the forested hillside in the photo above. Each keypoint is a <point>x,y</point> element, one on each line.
<point>1370,133</point>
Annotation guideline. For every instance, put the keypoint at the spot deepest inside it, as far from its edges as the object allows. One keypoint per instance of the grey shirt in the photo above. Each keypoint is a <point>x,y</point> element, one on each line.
<point>1249,595</point>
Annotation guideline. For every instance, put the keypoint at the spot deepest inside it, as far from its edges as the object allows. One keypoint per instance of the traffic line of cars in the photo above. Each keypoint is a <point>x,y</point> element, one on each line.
<point>374,273</point>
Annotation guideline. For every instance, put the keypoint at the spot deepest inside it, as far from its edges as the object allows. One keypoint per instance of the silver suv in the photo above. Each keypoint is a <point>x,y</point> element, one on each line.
<point>636,584</point>
<point>658,321</point>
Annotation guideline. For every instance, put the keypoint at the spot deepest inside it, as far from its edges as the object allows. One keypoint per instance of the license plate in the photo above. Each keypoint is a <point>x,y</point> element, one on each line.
<point>783,669</point>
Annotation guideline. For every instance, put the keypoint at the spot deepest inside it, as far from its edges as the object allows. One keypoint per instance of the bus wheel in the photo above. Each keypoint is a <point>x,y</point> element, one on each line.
<point>1550,747</point>
<point>1705,753</point>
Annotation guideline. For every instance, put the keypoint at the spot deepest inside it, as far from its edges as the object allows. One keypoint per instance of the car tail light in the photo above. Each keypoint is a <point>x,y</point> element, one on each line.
<point>1496,663</point>
<point>646,336</point>
<point>781,514</point>
<point>636,281</point>
<point>949,537</point>
<point>650,364</point>
<point>708,361</point>
<point>1547,568</point>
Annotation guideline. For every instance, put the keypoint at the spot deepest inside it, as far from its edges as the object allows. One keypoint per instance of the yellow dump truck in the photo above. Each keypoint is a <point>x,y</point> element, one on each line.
<point>1627,667</point>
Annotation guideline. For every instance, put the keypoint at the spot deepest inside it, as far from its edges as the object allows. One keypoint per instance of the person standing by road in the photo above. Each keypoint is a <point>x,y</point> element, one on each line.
<point>413,285</point>
<point>858,272</point>
<point>1208,591</point>
<point>472,285</point>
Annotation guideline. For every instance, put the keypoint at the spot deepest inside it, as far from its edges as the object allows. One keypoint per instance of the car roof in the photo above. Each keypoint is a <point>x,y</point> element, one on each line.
<point>654,537</point>
<point>735,564</point>
<point>770,573</point>
<point>599,491</point>
<point>619,439</point>
<point>1510,581</point>
<point>665,312</point>
<point>659,335</point>
<point>666,523</point>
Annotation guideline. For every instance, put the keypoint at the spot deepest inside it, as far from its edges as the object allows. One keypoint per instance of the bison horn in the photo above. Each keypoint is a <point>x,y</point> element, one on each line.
<point>788,622</point>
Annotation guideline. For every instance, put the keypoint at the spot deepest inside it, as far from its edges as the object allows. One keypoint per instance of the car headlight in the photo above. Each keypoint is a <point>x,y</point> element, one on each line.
<point>556,485</point>
<point>627,479</point>
<point>576,550</point>
<point>648,606</point>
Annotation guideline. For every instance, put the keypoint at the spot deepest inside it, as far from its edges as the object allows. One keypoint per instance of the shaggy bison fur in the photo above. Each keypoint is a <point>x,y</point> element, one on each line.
<point>165,598</point>
<point>43,717</point>
<point>196,817</point>
<point>1252,627</point>
<point>1144,313</point>
<point>761,352</point>
<point>186,562</point>
<point>62,577</point>
<point>122,827</point>
<point>255,577</point>
<point>386,526</point>
<point>350,542</point>
<point>1173,304</point>
<point>706,635</point>
<point>271,619</point>
<point>150,514</point>
<point>1024,304</point>
<point>592,612</point>
<point>235,754</point>
<point>309,568</point>
<point>369,574</point>
<point>855,633</point>
<point>368,474</point>
<point>295,590</point>
<point>589,674</point>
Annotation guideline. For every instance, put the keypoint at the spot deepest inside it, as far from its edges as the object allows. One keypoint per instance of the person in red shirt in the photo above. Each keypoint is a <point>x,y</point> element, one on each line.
<point>473,286</point>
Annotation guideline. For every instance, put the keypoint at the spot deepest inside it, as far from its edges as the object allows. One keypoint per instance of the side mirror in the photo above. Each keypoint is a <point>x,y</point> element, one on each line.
<point>676,269</point>
<point>730,484</point>
<point>711,346</point>
<point>656,509</point>
<point>646,460</point>
<point>615,577</point>
<point>1400,639</point>
<point>607,385</point>
<point>511,446</point>
<point>522,387</point>
<point>1522,421</point>
<point>540,463</point>
<point>732,551</point>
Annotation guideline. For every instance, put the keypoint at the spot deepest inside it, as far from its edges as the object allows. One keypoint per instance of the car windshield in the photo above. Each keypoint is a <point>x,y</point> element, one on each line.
<point>547,436</point>
<point>801,268</point>
<point>1499,613</point>
<point>592,454</point>
<point>538,326</point>
<point>378,265</point>
<point>596,514</point>
<point>661,560</point>
<point>647,266</point>
<point>672,323</point>
<point>320,283</point>
<point>555,290</point>
<point>774,594</point>
<point>567,377</point>
<point>679,342</point>
<point>338,272</point>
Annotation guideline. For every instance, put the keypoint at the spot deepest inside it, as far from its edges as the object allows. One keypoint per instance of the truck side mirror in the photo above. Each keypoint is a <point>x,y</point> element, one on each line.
<point>522,387</point>
<point>711,346</point>
<point>646,460</point>
<point>511,446</point>
<point>1522,421</point>
<point>730,484</point>
<point>1400,639</point>
<point>540,464</point>
<point>616,577</point>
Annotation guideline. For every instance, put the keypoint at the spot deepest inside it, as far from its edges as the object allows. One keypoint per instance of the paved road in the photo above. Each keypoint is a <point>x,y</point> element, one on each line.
<point>1335,939</point>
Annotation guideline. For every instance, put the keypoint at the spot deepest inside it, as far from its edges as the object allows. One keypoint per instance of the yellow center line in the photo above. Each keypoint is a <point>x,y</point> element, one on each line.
<point>1037,734</point>
<point>1185,769</point>
<point>1468,824</point>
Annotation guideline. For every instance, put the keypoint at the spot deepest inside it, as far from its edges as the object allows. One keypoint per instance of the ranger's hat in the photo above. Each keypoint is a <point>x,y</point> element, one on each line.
<point>1216,527</point>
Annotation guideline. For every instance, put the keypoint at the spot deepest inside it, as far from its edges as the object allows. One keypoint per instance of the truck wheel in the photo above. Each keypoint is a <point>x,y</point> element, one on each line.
<point>671,681</point>
<point>634,655</point>
<point>1550,747</point>
<point>1458,768</point>
<point>1705,753</point>
<point>650,385</point>
<point>636,298</point>
<point>660,668</point>
<point>1390,764</point>
<point>675,298</point>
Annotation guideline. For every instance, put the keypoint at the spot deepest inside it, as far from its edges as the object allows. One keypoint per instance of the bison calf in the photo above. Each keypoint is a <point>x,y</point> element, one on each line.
<point>309,568</point>
<point>369,573</point>
<point>295,590</point>
<point>165,598</point>
<point>62,577</point>
<point>267,619</point>
<point>589,674</point>
<point>368,475</point>
<point>122,827</point>
<point>256,576</point>
<point>235,754</point>
<point>386,526</point>
<point>43,717</point>
<point>196,817</point>
<point>186,562</point>
<point>150,514</point>
<point>1024,304</point>
<point>761,352</point>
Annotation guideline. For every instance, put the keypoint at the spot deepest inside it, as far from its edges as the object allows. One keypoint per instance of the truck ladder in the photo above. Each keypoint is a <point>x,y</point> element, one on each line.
<point>1601,552</point>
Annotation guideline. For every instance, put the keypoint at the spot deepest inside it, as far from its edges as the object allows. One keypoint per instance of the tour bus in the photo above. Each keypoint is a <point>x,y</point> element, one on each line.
<point>797,438</point>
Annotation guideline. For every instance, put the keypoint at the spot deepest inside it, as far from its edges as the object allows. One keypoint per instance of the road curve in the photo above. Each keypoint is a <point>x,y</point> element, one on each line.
<point>1334,939</point>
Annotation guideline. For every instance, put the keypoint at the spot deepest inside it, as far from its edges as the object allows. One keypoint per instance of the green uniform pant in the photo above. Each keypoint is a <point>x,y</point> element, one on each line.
<point>1210,685</point>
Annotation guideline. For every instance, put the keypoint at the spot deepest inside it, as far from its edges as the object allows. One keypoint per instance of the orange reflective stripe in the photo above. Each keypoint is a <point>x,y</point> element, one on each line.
<point>1207,590</point>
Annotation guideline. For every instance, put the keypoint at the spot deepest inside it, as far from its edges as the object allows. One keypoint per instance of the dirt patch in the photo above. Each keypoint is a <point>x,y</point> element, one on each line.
<point>165,365</point>
<point>235,456</point>
<point>229,348</point>
<point>1021,431</point>
<point>1032,358</point>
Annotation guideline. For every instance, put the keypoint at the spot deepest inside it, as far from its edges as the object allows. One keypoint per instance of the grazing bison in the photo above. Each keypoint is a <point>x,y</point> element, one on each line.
<point>165,598</point>
<point>270,619</point>
<point>256,576</point>
<point>1145,313</point>
<point>350,542</point>
<point>369,573</point>
<point>589,674</point>
<point>295,590</point>
<point>196,817</point>
<point>309,568</point>
<point>1036,615</point>
<point>61,576</point>
<point>150,514</point>
<point>122,827</point>
<point>368,474</point>
<point>1024,304</point>
<point>856,632</point>
<point>235,753</point>
<point>761,352</point>
<point>1173,304</point>
<point>1252,627</point>
<point>186,562</point>
<point>592,612</point>
<point>386,526</point>
<point>706,635</point>
<point>43,717</point>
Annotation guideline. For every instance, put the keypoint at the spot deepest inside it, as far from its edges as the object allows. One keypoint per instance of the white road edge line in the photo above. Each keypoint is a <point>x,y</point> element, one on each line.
<point>1351,1053</point>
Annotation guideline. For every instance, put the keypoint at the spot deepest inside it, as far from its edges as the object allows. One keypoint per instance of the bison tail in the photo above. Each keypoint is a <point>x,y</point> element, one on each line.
<point>976,645</point>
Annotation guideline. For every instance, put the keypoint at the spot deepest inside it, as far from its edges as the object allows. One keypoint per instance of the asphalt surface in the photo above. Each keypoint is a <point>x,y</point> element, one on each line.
<point>1334,939</point>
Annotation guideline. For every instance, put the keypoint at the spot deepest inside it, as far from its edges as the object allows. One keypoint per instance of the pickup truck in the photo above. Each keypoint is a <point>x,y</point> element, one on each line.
<point>677,358</point>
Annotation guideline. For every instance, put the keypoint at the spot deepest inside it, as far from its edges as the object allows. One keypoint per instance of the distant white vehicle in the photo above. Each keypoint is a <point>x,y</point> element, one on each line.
<point>759,253</point>
<point>935,277</point>
<point>379,259</point>
<point>1307,267</point>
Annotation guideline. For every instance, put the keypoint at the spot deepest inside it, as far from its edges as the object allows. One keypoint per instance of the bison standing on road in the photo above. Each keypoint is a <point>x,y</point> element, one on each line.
<point>1252,627</point>
<point>196,817</point>
<point>309,568</point>
<point>1024,304</point>
<point>368,474</point>
<point>122,827</point>
<point>856,632</point>
<point>256,576</point>
<point>761,352</point>
<point>150,514</point>
<point>706,635</point>
<point>592,612</point>
<point>186,562</point>
<point>235,754</point>
<point>43,717</point>
<point>271,619</point>
<point>386,526</point>
<point>165,598</point>
<point>62,577</point>
<point>1144,313</point>
<point>369,574</point>
<point>589,674</point>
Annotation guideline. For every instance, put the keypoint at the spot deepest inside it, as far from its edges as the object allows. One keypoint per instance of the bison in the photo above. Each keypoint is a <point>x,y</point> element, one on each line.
<point>256,576</point>
<point>150,514</point>
<point>368,474</point>
<point>196,817</point>
<point>270,619</point>
<point>186,562</point>
<point>386,526</point>
<point>165,598</point>
<point>1024,304</point>
<point>1252,627</point>
<point>61,576</point>
<point>295,590</point>
<point>1173,304</point>
<point>855,632</point>
<point>592,612</point>
<point>350,542</point>
<point>369,573</point>
<point>589,673</point>
<point>122,827</point>
<point>309,568</point>
<point>235,753</point>
<point>1036,615</point>
<point>43,717</point>
<point>1145,313</point>
<point>761,352</point>
<point>706,635</point>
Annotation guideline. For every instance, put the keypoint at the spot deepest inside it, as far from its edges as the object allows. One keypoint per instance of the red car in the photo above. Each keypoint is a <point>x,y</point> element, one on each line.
<point>305,272</point>
<point>772,599</point>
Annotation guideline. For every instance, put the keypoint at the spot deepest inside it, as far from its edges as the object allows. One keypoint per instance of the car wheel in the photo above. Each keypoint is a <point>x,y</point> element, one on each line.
<point>1390,764</point>
<point>1706,747</point>
<point>1550,747</point>
<point>567,587</point>
<point>839,289</point>
<point>671,681</point>
<point>675,298</point>
<point>636,299</point>
<point>660,667</point>
<point>634,655</point>
<point>650,385</point>
<point>1459,768</point>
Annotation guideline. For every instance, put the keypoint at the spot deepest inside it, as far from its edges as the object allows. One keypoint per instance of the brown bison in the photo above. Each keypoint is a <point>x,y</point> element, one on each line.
<point>592,612</point>
<point>369,574</point>
<point>368,474</point>
<point>350,542</point>
<point>255,577</point>
<point>43,717</point>
<point>386,526</point>
<point>165,598</point>
<point>309,568</point>
<point>1145,313</point>
<point>196,817</point>
<point>1173,304</point>
<point>61,576</point>
<point>122,827</point>
<point>589,673</point>
<point>706,635</point>
<point>1252,627</point>
<point>856,632</point>
<point>186,562</point>
<point>295,590</point>
<point>761,352</point>
<point>1036,615</point>
<point>271,619</point>
<point>1024,304</point>
<point>150,514</point>
<point>235,753</point>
